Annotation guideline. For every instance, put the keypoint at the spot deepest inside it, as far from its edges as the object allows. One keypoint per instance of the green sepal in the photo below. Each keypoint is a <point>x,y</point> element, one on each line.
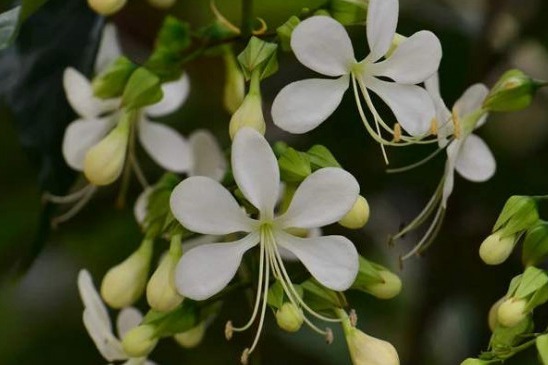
<point>277,297</point>
<point>518,214</point>
<point>535,244</point>
<point>348,12</point>
<point>532,280</point>
<point>142,89</point>
<point>113,80</point>
<point>514,91</point>
<point>368,274</point>
<point>320,298</point>
<point>539,297</point>
<point>159,214</point>
<point>181,319</point>
<point>259,56</point>
<point>294,165</point>
<point>321,157</point>
<point>542,347</point>
<point>505,338</point>
<point>284,32</point>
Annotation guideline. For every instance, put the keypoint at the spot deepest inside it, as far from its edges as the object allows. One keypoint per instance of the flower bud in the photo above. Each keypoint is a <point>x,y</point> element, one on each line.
<point>358,216</point>
<point>493,314</point>
<point>388,288</point>
<point>289,317</point>
<point>511,312</point>
<point>125,282</point>
<point>191,338</point>
<point>161,292</point>
<point>514,91</point>
<point>234,90</point>
<point>162,4</point>
<point>104,162</point>
<point>249,114</point>
<point>106,7</point>
<point>471,361</point>
<point>495,249</point>
<point>139,341</point>
<point>368,350</point>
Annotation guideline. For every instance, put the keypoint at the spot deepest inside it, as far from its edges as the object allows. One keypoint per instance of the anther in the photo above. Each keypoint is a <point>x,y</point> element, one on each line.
<point>434,127</point>
<point>456,123</point>
<point>245,357</point>
<point>229,330</point>
<point>328,336</point>
<point>397,132</point>
<point>353,316</point>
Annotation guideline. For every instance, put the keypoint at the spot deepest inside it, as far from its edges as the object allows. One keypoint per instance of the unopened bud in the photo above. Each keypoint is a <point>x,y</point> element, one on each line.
<point>493,314</point>
<point>139,341</point>
<point>495,249</point>
<point>161,292</point>
<point>289,317</point>
<point>125,282</point>
<point>162,4</point>
<point>249,114</point>
<point>388,288</point>
<point>105,161</point>
<point>368,350</point>
<point>511,312</point>
<point>514,91</point>
<point>234,90</point>
<point>358,216</point>
<point>191,338</point>
<point>106,7</point>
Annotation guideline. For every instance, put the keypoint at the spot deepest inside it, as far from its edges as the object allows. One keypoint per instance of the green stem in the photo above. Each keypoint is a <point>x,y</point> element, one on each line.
<point>247,18</point>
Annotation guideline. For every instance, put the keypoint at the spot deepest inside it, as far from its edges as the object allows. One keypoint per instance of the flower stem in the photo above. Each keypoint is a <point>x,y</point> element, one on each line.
<point>247,18</point>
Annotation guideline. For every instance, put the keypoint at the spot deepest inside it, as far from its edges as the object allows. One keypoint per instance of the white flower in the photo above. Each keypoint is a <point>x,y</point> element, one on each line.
<point>204,206</point>
<point>322,44</point>
<point>99,327</point>
<point>468,154</point>
<point>99,116</point>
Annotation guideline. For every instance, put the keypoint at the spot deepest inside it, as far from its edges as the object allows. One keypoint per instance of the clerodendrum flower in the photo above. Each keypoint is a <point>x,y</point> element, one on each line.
<point>203,205</point>
<point>99,326</point>
<point>322,44</point>
<point>100,116</point>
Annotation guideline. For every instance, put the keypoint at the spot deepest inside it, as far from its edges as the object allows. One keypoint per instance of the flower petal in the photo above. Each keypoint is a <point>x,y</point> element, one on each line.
<point>303,105</point>
<point>91,299</point>
<point>414,61</point>
<point>255,170</point>
<point>206,270</point>
<point>203,205</point>
<point>209,160</point>
<point>323,198</point>
<point>165,145</point>
<point>475,161</point>
<point>140,209</point>
<point>175,94</point>
<point>443,115</point>
<point>332,260</point>
<point>471,100</point>
<point>322,44</point>
<point>80,96</point>
<point>80,136</point>
<point>109,48</point>
<point>382,20</point>
<point>449,178</point>
<point>411,105</point>
<point>128,318</point>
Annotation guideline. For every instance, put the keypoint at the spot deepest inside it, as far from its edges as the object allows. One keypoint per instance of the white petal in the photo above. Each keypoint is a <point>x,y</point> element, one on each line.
<point>414,61</point>
<point>288,255</point>
<point>443,115</point>
<point>322,44</point>
<point>475,161</point>
<point>209,160</point>
<point>203,205</point>
<point>109,48</point>
<point>206,270</point>
<point>175,94</point>
<point>140,208</point>
<point>80,136</point>
<point>165,145</point>
<point>80,96</point>
<point>332,260</point>
<point>303,105</point>
<point>255,170</point>
<point>382,19</point>
<point>471,100</point>
<point>411,105</point>
<point>323,198</point>
<point>108,345</point>
<point>91,299</point>
<point>128,319</point>
<point>449,178</point>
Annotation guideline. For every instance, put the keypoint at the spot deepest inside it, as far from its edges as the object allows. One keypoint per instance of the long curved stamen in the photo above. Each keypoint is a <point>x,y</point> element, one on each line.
<point>138,171</point>
<point>428,235</point>
<point>416,164</point>
<point>76,208</point>
<point>65,199</point>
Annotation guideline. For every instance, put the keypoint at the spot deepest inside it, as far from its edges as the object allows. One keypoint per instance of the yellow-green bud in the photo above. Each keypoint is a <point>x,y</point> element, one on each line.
<point>125,282</point>
<point>191,338</point>
<point>234,90</point>
<point>388,288</point>
<point>289,317</point>
<point>249,114</point>
<point>161,292</point>
<point>471,361</point>
<point>162,4</point>
<point>105,161</point>
<point>106,7</point>
<point>493,314</point>
<point>514,91</point>
<point>358,216</point>
<point>139,341</point>
<point>495,249</point>
<point>511,312</point>
<point>368,350</point>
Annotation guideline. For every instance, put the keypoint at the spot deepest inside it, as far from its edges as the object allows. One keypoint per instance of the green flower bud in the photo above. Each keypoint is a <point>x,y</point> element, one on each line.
<point>249,114</point>
<point>125,282</point>
<point>471,361</point>
<point>113,80</point>
<point>289,317</point>
<point>294,165</point>
<point>106,7</point>
<point>105,161</point>
<point>234,89</point>
<point>514,91</point>
<point>284,32</point>
<point>388,288</point>
<point>495,249</point>
<point>161,292</point>
<point>368,350</point>
<point>192,337</point>
<point>348,12</point>
<point>142,89</point>
<point>358,216</point>
<point>162,4</point>
<point>511,312</point>
<point>140,341</point>
<point>518,214</point>
<point>493,314</point>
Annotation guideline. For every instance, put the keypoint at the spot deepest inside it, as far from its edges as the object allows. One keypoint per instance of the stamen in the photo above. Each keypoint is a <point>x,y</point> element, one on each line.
<point>353,316</point>
<point>65,199</point>
<point>329,336</point>
<point>138,171</point>
<point>427,235</point>
<point>245,357</point>
<point>456,123</point>
<point>229,330</point>
<point>224,21</point>
<point>76,208</point>
<point>262,29</point>
<point>397,132</point>
<point>434,127</point>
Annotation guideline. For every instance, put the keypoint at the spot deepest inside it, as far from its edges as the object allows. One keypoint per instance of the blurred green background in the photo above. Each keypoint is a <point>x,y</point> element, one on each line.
<point>440,317</point>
